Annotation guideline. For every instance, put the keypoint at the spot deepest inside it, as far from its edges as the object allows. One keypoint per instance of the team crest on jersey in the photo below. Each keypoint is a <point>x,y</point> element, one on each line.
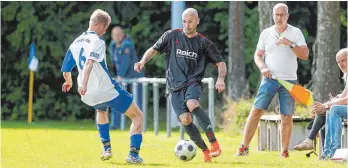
<point>126,50</point>
<point>187,54</point>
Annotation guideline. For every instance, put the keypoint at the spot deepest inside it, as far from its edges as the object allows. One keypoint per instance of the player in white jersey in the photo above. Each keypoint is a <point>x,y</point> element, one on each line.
<point>97,88</point>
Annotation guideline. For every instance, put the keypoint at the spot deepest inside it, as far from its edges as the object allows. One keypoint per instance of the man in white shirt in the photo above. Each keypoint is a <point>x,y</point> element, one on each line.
<point>97,88</point>
<point>276,55</point>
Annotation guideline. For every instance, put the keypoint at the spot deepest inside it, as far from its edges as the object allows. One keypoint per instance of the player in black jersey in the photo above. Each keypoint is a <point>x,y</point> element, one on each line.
<point>188,54</point>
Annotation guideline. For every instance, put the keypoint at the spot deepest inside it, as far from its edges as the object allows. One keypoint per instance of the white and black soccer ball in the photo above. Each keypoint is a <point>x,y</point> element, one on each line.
<point>185,150</point>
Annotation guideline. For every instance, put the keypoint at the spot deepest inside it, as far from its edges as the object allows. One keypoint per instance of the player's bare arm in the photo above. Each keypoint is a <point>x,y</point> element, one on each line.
<point>68,82</point>
<point>220,83</point>
<point>86,71</point>
<point>146,58</point>
<point>260,63</point>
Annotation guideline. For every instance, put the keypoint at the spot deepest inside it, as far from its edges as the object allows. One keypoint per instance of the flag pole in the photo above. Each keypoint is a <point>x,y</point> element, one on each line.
<point>30,103</point>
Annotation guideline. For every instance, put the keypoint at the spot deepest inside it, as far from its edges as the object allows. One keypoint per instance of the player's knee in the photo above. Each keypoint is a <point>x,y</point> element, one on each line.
<point>138,118</point>
<point>192,104</point>
<point>185,118</point>
<point>137,123</point>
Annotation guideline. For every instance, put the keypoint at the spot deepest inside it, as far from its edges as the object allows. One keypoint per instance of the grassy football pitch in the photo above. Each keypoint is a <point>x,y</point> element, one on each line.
<point>76,144</point>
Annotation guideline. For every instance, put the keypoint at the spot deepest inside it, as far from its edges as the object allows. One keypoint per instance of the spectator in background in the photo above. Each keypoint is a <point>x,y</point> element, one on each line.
<point>321,108</point>
<point>276,54</point>
<point>338,111</point>
<point>123,57</point>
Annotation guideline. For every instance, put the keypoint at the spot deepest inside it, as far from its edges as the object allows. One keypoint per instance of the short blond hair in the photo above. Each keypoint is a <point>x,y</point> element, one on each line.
<point>99,17</point>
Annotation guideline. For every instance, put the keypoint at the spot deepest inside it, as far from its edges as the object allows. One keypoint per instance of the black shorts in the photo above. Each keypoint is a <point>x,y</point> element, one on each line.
<point>179,98</point>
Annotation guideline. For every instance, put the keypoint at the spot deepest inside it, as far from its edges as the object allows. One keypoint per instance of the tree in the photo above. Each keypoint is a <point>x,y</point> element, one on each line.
<point>265,14</point>
<point>325,71</point>
<point>236,64</point>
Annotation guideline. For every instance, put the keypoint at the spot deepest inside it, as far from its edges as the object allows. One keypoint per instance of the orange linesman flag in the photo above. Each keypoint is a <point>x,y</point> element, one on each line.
<point>299,93</point>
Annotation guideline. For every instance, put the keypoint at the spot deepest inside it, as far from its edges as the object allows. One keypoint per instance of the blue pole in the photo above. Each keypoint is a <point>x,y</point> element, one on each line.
<point>177,8</point>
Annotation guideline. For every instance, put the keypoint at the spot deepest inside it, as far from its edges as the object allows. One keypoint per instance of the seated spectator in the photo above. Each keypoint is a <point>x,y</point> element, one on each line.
<point>338,111</point>
<point>321,108</point>
<point>317,125</point>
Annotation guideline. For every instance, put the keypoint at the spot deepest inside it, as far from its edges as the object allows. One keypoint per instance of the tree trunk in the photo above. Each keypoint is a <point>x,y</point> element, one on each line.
<point>265,14</point>
<point>325,70</point>
<point>236,65</point>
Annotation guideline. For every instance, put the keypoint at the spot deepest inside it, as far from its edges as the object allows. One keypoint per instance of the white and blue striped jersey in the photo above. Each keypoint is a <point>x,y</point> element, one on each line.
<point>100,87</point>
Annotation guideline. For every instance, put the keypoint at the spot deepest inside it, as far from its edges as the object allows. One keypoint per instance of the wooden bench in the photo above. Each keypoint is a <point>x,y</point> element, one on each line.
<point>269,137</point>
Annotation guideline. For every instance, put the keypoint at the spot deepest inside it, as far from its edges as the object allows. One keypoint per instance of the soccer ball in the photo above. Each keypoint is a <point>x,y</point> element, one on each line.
<point>185,150</point>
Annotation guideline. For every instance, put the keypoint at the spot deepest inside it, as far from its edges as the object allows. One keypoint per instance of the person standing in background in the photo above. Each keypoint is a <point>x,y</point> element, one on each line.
<point>123,57</point>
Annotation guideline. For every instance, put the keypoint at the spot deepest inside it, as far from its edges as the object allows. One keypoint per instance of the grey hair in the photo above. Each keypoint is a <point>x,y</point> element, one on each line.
<point>99,17</point>
<point>278,5</point>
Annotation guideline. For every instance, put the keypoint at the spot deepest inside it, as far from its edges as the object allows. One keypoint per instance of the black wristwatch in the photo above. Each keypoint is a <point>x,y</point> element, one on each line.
<point>293,45</point>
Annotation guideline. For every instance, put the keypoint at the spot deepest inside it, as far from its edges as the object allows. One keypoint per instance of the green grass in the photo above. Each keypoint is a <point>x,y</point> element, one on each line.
<point>66,144</point>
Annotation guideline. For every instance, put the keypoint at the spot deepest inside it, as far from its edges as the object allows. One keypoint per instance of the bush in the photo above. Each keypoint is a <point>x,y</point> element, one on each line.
<point>235,114</point>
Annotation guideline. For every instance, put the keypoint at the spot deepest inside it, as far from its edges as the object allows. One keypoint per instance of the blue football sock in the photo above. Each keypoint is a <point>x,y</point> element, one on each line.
<point>104,135</point>
<point>135,144</point>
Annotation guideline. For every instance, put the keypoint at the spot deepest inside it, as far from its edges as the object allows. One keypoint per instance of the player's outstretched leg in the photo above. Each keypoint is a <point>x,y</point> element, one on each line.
<point>103,129</point>
<point>136,115</point>
<point>194,134</point>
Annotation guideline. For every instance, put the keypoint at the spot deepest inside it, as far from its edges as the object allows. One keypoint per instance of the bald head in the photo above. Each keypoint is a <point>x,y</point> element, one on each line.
<point>341,58</point>
<point>190,21</point>
<point>190,11</point>
<point>117,29</point>
<point>342,52</point>
<point>117,34</point>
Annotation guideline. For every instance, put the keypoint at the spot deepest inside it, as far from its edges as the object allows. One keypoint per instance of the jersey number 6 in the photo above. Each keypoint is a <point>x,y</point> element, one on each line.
<point>82,59</point>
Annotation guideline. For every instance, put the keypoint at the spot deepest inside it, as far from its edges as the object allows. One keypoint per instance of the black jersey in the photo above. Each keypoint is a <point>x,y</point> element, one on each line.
<point>187,58</point>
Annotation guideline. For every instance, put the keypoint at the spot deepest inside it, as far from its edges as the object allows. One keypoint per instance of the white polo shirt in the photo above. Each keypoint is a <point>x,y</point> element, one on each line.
<point>280,59</point>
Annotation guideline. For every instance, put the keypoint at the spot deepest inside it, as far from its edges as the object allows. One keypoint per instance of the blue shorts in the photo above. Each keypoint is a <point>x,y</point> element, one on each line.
<point>120,104</point>
<point>268,89</point>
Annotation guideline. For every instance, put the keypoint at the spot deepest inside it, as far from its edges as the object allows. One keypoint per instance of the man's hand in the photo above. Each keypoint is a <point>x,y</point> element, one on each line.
<point>266,72</point>
<point>66,86</point>
<point>319,108</point>
<point>220,85</point>
<point>82,90</point>
<point>284,41</point>
<point>138,66</point>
